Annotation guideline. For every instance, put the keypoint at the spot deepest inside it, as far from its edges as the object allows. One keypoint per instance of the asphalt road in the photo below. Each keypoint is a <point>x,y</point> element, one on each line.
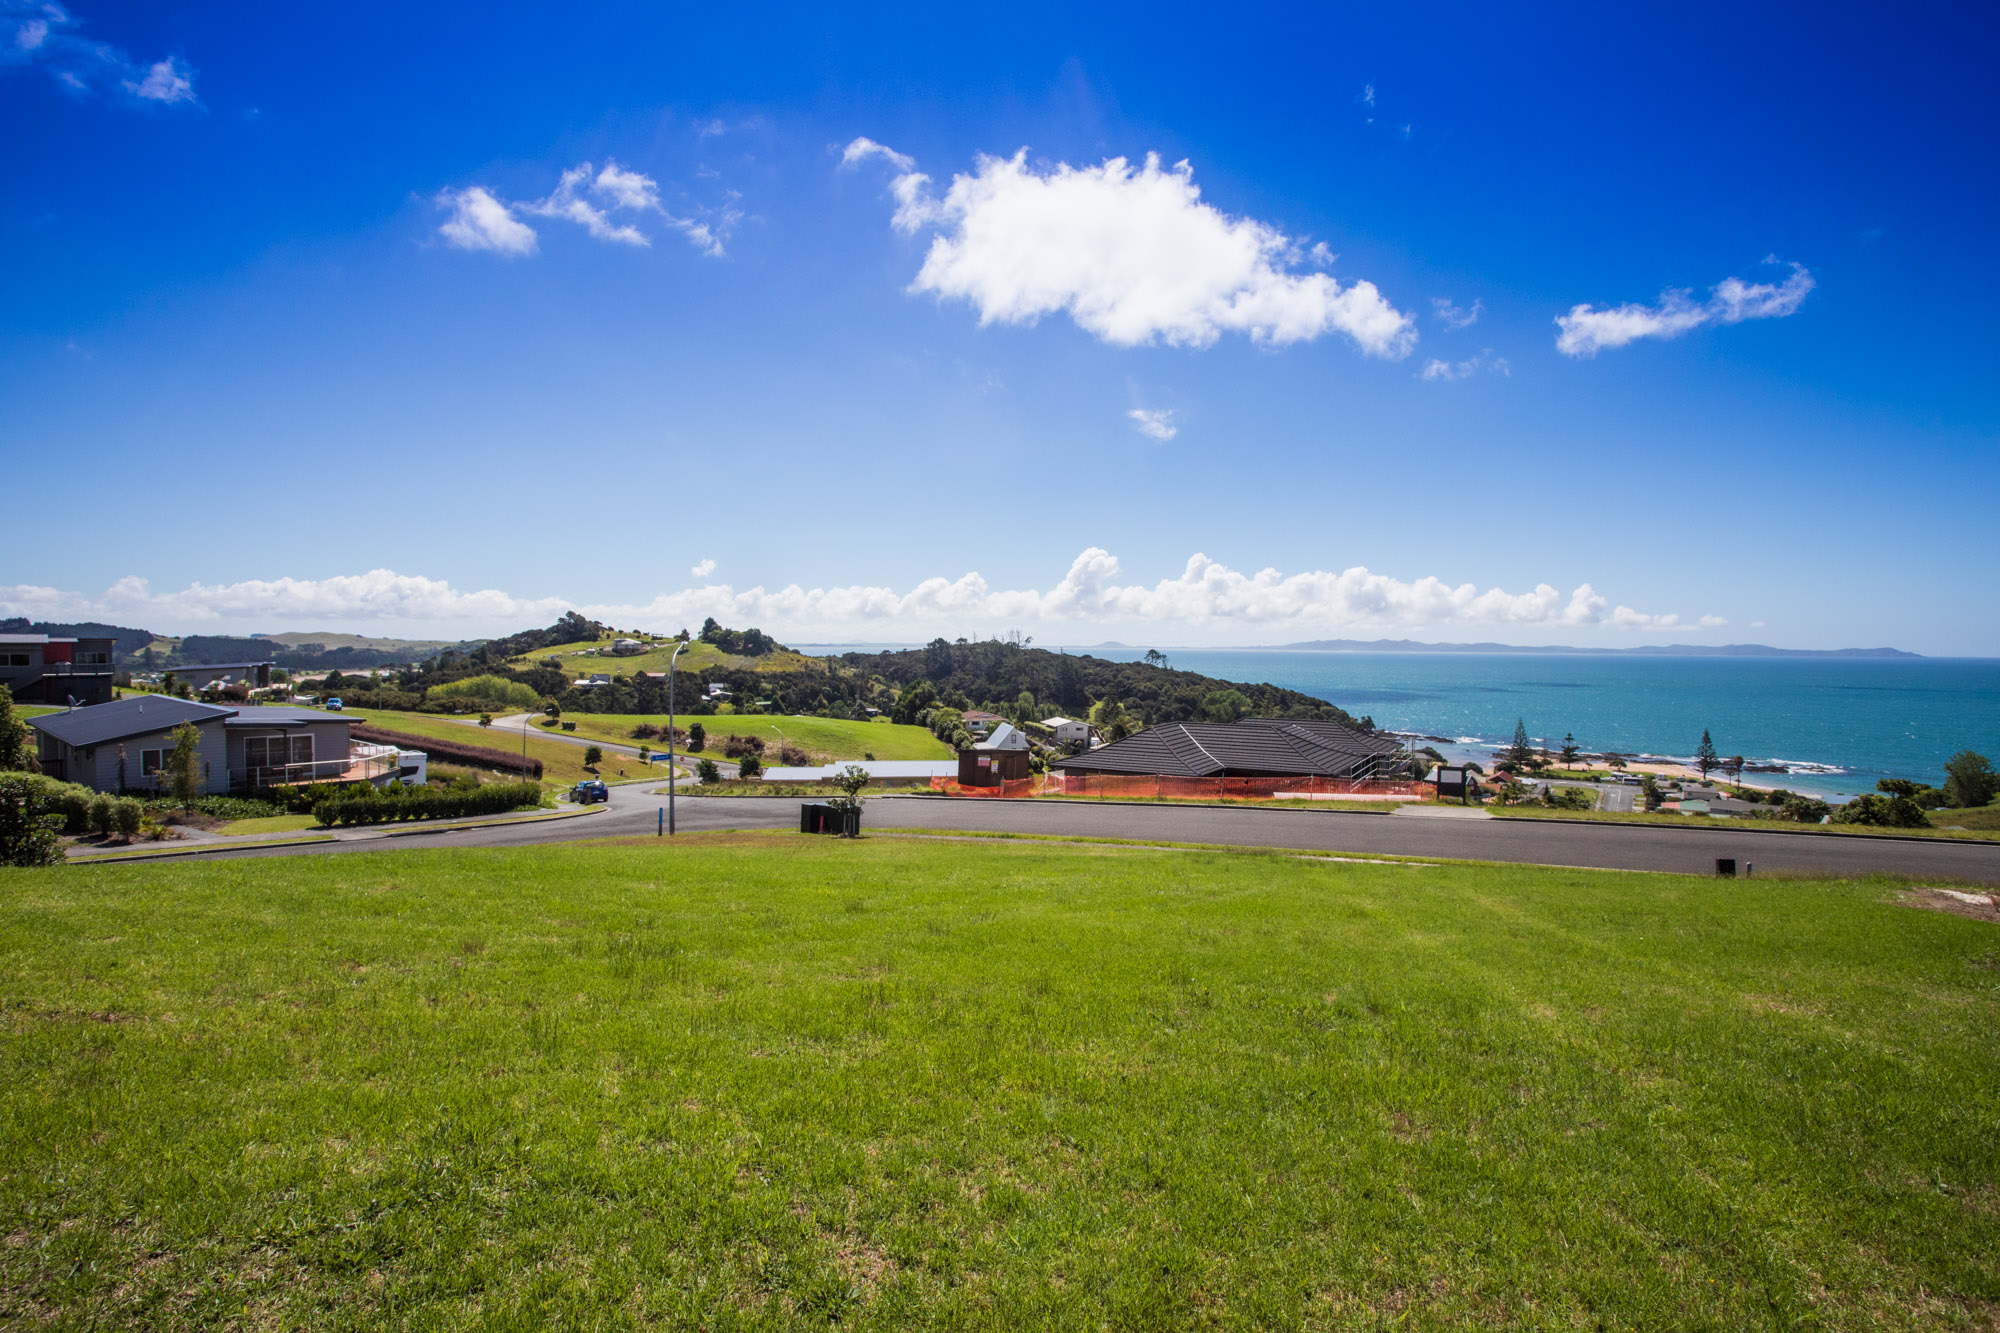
<point>634,811</point>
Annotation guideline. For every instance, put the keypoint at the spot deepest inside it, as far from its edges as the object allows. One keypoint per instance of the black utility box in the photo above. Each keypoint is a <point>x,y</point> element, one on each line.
<point>819,818</point>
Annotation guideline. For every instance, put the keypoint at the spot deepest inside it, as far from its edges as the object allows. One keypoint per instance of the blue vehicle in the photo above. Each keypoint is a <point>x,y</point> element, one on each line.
<point>589,792</point>
<point>333,705</point>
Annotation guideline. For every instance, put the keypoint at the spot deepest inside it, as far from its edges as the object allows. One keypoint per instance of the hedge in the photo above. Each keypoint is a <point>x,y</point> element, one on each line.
<point>475,756</point>
<point>399,803</point>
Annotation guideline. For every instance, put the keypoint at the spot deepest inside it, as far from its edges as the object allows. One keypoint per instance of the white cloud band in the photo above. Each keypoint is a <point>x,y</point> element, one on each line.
<point>1205,594</point>
<point>1587,330</point>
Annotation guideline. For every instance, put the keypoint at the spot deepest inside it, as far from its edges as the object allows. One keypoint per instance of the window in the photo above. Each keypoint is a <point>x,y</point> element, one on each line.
<point>277,751</point>
<point>151,762</point>
<point>17,659</point>
<point>93,659</point>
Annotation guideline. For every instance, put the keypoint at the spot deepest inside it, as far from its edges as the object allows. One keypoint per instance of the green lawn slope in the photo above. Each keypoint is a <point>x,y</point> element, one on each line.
<point>581,658</point>
<point>741,1081</point>
<point>829,738</point>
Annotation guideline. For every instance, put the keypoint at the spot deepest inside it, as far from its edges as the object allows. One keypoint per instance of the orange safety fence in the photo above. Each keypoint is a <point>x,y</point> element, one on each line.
<point>1143,787</point>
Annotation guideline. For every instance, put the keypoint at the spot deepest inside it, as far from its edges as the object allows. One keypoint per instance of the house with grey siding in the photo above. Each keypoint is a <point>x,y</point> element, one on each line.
<point>123,746</point>
<point>46,669</point>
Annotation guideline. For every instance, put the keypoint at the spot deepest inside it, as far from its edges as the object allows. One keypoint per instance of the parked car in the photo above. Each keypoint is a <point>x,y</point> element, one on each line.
<point>333,705</point>
<point>589,793</point>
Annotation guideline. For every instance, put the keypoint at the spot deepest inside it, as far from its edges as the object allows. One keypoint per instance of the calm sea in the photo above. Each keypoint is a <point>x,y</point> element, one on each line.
<point>1836,724</point>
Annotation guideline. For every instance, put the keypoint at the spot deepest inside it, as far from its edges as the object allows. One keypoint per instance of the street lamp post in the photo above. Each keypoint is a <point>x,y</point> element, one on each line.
<point>670,733</point>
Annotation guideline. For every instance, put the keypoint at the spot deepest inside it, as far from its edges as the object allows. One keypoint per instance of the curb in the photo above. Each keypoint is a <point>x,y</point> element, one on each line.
<point>198,849</point>
<point>1164,805</point>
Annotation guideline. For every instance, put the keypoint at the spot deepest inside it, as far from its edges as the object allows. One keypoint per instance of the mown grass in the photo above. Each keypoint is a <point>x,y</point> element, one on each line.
<point>579,658</point>
<point>1981,831</point>
<point>764,1081</point>
<point>562,765</point>
<point>832,738</point>
<point>237,828</point>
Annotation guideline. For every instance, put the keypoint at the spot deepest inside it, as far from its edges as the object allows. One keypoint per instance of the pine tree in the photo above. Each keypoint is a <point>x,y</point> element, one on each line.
<point>1569,750</point>
<point>1522,752</point>
<point>1705,758</point>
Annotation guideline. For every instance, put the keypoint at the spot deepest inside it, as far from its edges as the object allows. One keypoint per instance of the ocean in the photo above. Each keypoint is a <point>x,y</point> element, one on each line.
<point>1835,725</point>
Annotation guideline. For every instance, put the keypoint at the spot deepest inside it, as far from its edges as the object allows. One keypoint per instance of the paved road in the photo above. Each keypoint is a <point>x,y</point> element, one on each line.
<point>634,811</point>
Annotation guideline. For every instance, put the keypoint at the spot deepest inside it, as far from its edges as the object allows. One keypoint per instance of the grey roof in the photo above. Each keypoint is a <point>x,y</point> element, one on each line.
<point>1254,747</point>
<point>25,638</point>
<point>217,666</point>
<point>1006,736</point>
<point>278,715</point>
<point>131,716</point>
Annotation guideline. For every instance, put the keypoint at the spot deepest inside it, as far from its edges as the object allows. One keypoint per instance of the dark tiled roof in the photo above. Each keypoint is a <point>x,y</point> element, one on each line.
<point>132,716</point>
<point>1254,747</point>
<point>279,715</point>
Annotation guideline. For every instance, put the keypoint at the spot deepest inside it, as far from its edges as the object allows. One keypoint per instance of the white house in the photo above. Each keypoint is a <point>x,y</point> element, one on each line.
<point>1067,730</point>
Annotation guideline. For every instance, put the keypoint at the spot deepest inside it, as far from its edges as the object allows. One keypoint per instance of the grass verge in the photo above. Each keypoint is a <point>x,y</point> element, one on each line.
<point>1672,820</point>
<point>764,1080</point>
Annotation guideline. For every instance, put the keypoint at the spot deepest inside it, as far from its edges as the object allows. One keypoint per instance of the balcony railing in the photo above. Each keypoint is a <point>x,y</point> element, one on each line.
<point>363,763</point>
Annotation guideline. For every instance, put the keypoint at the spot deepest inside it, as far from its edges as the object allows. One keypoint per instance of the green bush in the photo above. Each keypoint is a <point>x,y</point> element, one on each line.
<point>28,832</point>
<point>707,772</point>
<point>1970,780</point>
<point>366,805</point>
<point>129,815</point>
<point>102,820</point>
<point>489,689</point>
<point>1803,809</point>
<point>1572,798</point>
<point>1882,812</point>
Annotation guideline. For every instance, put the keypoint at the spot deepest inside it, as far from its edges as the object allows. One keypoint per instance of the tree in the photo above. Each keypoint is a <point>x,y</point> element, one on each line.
<point>1899,786</point>
<point>1569,750</point>
<point>1969,780</point>
<point>1156,658</point>
<point>749,766</point>
<point>181,773</point>
<point>1614,760</point>
<point>1111,720</point>
<point>13,734</point>
<point>1705,757</point>
<point>1225,705</point>
<point>851,781</point>
<point>915,701</point>
<point>552,710</point>
<point>1733,766</point>
<point>486,719</point>
<point>706,771</point>
<point>593,756</point>
<point>28,833</point>
<point>697,738</point>
<point>1521,753</point>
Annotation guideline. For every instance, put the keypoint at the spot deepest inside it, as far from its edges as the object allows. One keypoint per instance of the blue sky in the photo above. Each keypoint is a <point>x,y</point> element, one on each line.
<point>303,329</point>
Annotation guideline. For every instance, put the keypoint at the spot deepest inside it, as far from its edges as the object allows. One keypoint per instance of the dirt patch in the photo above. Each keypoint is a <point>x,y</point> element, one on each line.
<point>1977,904</point>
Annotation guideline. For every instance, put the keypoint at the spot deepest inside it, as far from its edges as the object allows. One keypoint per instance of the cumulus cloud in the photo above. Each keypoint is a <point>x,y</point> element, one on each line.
<point>1156,423</point>
<point>42,33</point>
<point>1131,254</point>
<point>1204,594</point>
<point>1587,330</point>
<point>1456,317</point>
<point>479,221</point>
<point>704,569</point>
<point>588,197</point>
<point>1447,371</point>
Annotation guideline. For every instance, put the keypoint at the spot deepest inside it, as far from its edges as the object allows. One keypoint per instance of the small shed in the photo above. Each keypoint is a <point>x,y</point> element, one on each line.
<point>1001,757</point>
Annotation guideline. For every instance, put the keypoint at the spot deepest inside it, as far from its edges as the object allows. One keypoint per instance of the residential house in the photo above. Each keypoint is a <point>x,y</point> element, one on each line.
<point>41,669</point>
<point>979,722</point>
<point>1252,748</point>
<point>627,647</point>
<point>123,746</point>
<point>1068,731</point>
<point>256,675</point>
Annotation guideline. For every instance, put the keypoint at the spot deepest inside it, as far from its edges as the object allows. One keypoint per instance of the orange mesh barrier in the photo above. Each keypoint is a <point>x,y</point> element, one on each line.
<point>1133,786</point>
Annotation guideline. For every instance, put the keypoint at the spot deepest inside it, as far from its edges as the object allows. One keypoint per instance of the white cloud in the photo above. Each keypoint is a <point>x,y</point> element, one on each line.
<point>864,148</point>
<point>1712,622</point>
<point>1587,330</point>
<point>42,33</point>
<point>480,222</point>
<point>1131,254</point>
<point>704,569</point>
<point>1456,317</point>
<point>1158,423</point>
<point>1447,371</point>
<point>1368,95</point>
<point>586,196</point>
<point>167,81</point>
<point>1204,595</point>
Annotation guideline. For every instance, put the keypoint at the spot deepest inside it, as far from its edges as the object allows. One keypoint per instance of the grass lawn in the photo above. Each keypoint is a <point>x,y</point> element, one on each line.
<point>26,711</point>
<point>237,828</point>
<point>1983,830</point>
<point>833,738</point>
<point>562,765</point>
<point>1986,817</point>
<point>579,660</point>
<point>770,1081</point>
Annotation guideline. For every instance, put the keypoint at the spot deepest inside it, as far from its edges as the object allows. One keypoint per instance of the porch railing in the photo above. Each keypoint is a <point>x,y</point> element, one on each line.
<point>363,763</point>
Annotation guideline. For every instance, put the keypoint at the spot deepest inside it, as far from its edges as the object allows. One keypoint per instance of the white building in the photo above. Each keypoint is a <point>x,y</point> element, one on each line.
<point>1067,730</point>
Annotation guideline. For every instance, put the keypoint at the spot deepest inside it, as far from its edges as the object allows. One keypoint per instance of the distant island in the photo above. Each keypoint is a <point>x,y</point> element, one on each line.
<point>1662,650</point>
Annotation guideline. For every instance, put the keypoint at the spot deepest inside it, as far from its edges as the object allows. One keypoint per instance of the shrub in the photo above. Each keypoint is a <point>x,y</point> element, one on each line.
<point>1803,809</point>
<point>645,731</point>
<point>1970,780</point>
<point>487,689</point>
<point>102,821</point>
<point>697,738</point>
<point>795,757</point>
<point>593,755</point>
<point>128,815</point>
<point>749,766</point>
<point>706,771</point>
<point>1882,812</point>
<point>1572,798</point>
<point>736,747</point>
<point>400,803</point>
<point>28,833</point>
